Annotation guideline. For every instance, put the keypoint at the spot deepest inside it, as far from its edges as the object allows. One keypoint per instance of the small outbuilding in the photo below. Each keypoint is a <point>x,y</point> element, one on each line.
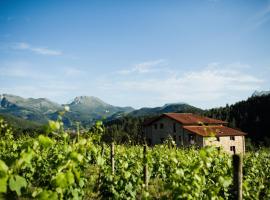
<point>190,129</point>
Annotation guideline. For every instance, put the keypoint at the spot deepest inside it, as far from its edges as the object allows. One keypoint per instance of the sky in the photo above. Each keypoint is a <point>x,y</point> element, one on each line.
<point>206,53</point>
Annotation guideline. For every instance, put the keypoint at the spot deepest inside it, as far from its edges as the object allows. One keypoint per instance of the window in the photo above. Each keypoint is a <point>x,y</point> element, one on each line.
<point>218,139</point>
<point>232,138</point>
<point>180,138</point>
<point>191,138</point>
<point>174,138</point>
<point>155,126</point>
<point>232,148</point>
<point>174,127</point>
<point>161,126</point>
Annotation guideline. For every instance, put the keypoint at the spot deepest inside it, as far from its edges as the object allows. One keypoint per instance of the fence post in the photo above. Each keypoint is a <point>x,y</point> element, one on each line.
<point>112,157</point>
<point>102,149</point>
<point>145,168</point>
<point>238,175</point>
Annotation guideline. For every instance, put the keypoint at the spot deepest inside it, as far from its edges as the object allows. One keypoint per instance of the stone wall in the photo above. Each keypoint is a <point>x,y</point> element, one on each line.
<point>227,143</point>
<point>165,127</point>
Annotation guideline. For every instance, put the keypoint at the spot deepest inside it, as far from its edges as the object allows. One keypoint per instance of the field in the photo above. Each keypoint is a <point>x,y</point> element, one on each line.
<point>54,165</point>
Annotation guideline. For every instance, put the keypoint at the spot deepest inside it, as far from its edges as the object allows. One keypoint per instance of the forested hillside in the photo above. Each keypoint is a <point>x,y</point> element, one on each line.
<point>124,130</point>
<point>251,116</point>
<point>21,126</point>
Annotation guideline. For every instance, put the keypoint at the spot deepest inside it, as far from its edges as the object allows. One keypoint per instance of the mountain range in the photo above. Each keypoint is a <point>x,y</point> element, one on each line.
<point>83,109</point>
<point>123,123</point>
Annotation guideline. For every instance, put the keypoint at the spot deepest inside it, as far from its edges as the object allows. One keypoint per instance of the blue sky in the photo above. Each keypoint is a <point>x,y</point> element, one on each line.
<point>136,53</point>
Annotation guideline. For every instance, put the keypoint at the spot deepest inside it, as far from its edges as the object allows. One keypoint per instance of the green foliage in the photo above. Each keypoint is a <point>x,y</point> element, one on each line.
<point>124,130</point>
<point>16,183</point>
<point>59,167</point>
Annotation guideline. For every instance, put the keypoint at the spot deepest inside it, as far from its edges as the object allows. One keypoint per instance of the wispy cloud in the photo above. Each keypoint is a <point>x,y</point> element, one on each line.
<point>20,69</point>
<point>211,84</point>
<point>261,17</point>
<point>54,90</point>
<point>144,67</point>
<point>24,79</point>
<point>37,50</point>
<point>73,72</point>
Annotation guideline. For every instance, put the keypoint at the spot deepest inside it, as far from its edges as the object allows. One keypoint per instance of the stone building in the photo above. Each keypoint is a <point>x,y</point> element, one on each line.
<point>189,129</point>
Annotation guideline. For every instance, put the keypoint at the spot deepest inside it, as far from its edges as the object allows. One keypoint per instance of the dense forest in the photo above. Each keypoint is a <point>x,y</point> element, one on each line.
<point>124,130</point>
<point>251,116</point>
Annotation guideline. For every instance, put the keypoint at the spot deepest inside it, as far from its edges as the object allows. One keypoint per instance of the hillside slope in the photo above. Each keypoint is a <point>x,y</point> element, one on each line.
<point>251,116</point>
<point>83,109</point>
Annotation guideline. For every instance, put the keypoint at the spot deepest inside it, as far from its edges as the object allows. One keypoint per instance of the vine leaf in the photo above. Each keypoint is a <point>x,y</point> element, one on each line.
<point>16,183</point>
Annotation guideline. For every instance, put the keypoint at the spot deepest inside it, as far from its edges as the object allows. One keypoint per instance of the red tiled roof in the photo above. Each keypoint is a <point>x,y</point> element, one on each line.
<point>186,119</point>
<point>189,119</point>
<point>214,130</point>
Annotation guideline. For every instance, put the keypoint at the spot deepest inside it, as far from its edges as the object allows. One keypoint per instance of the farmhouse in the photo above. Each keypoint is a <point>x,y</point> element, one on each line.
<point>189,129</point>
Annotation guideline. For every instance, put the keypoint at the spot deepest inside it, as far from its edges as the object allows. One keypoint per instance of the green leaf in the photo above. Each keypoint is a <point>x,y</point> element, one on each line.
<point>99,123</point>
<point>3,184</point>
<point>26,157</point>
<point>60,180</point>
<point>70,178</point>
<point>225,182</point>
<point>47,194</point>
<point>100,160</point>
<point>45,141</point>
<point>54,125</point>
<point>76,156</point>
<point>16,183</point>
<point>3,168</point>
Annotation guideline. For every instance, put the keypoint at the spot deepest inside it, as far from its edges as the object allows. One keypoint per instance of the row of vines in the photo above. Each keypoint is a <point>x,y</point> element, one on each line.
<point>55,165</point>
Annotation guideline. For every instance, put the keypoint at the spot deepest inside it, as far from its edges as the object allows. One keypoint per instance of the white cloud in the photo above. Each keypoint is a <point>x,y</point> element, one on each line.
<point>26,80</point>
<point>144,67</point>
<point>37,50</point>
<point>73,72</point>
<point>21,69</point>
<point>53,90</point>
<point>213,84</point>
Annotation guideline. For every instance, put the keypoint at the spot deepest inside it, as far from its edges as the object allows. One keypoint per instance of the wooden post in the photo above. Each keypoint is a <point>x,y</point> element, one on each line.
<point>102,149</point>
<point>102,155</point>
<point>238,175</point>
<point>112,157</point>
<point>145,169</point>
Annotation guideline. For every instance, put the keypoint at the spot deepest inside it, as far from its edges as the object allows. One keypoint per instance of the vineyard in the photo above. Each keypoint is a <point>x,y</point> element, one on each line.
<point>55,165</point>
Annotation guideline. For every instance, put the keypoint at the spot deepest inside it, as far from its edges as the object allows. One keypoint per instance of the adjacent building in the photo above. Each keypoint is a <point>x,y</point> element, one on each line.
<point>189,129</point>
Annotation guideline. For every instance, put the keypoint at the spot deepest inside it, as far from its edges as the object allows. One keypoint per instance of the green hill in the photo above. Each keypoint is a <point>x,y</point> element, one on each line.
<point>83,109</point>
<point>176,107</point>
<point>251,116</point>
